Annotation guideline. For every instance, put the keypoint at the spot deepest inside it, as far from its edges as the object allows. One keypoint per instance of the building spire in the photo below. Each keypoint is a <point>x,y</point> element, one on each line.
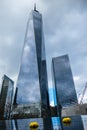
<point>35,7</point>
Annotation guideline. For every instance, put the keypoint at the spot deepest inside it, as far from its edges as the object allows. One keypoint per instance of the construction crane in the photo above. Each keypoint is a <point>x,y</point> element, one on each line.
<point>81,100</point>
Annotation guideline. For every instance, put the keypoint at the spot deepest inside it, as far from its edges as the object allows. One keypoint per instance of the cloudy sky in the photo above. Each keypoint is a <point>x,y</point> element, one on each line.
<point>65,32</point>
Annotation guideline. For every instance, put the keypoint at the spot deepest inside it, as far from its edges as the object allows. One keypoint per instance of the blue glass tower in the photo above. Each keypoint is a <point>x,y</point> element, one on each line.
<point>63,81</point>
<point>6,97</point>
<point>65,89</point>
<point>32,79</point>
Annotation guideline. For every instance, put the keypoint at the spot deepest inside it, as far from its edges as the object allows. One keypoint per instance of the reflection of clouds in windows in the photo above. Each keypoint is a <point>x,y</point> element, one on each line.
<point>31,93</point>
<point>10,89</point>
<point>64,80</point>
<point>29,62</point>
<point>43,47</point>
<point>28,80</point>
<point>29,30</point>
<point>27,49</point>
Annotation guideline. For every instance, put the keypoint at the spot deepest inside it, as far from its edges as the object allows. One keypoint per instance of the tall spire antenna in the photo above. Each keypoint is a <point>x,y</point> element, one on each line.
<point>35,7</point>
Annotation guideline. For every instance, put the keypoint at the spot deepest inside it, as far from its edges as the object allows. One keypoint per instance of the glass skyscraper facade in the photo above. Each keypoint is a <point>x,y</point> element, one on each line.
<point>32,79</point>
<point>65,89</point>
<point>63,81</point>
<point>6,97</point>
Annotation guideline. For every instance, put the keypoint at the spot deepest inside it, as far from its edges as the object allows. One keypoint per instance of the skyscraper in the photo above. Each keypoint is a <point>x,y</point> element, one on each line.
<point>32,79</point>
<point>6,97</point>
<point>63,81</point>
<point>65,89</point>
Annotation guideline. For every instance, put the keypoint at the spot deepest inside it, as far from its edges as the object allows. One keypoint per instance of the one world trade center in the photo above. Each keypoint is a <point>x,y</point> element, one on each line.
<point>32,79</point>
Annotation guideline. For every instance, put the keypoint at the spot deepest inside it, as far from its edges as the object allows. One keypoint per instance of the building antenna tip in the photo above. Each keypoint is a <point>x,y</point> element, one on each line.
<point>35,7</point>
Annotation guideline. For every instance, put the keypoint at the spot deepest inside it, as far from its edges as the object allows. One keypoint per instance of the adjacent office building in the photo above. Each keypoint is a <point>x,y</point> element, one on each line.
<point>63,81</point>
<point>32,79</point>
<point>6,97</point>
<point>65,89</point>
